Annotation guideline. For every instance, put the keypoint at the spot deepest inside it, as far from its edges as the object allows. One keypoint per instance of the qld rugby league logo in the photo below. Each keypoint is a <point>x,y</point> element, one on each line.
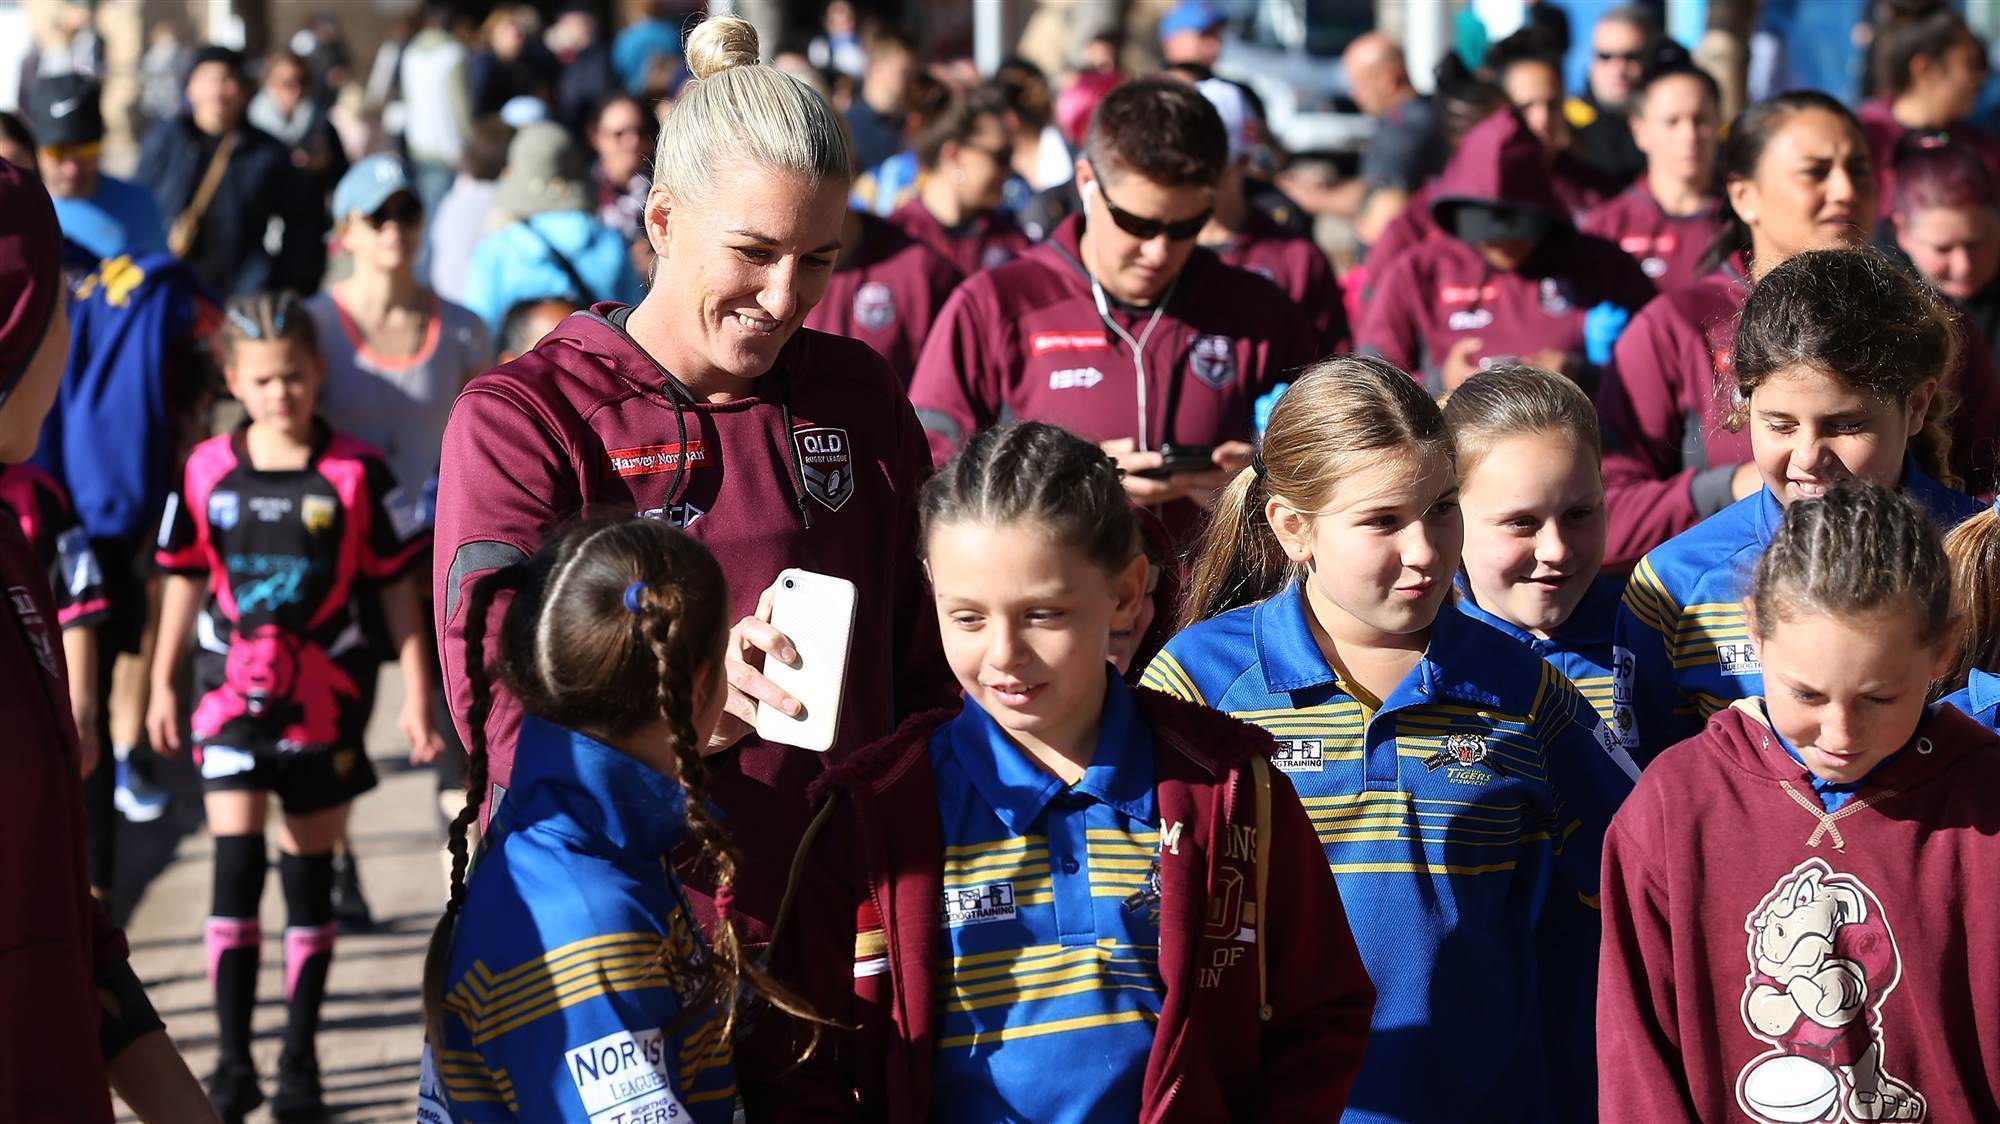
<point>826,460</point>
<point>1212,359</point>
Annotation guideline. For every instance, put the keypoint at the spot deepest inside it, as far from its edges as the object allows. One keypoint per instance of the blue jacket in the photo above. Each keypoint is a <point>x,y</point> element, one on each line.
<point>514,264</point>
<point>1447,814</point>
<point>133,365</point>
<point>556,1007</point>
<point>1682,646</point>
<point>1979,699</point>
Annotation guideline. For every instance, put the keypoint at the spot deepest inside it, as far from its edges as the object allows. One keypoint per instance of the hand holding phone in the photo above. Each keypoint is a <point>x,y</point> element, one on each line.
<point>815,612</point>
<point>1177,460</point>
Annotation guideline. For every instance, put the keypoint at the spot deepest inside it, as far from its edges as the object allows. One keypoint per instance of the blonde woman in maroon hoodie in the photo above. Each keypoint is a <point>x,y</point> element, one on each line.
<point>707,405</point>
<point>1796,901</point>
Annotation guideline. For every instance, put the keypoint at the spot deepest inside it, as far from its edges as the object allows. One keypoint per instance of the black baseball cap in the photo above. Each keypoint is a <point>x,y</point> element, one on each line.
<point>64,110</point>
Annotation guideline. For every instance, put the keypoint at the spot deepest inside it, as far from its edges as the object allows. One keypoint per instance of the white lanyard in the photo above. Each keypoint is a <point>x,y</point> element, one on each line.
<point>1138,346</point>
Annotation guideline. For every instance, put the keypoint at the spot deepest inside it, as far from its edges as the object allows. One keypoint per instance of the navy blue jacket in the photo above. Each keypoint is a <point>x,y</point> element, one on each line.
<point>261,184</point>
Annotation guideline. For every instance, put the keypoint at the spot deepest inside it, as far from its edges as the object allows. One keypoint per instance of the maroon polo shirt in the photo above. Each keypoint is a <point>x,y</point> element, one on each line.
<point>983,242</point>
<point>819,470</point>
<point>886,292</point>
<point>1668,248</point>
<point>1026,342</point>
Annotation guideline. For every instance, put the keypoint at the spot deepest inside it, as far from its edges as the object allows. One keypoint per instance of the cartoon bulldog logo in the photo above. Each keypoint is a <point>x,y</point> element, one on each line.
<point>1822,960</point>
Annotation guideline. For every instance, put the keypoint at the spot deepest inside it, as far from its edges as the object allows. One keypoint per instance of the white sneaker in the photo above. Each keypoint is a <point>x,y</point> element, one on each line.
<point>138,799</point>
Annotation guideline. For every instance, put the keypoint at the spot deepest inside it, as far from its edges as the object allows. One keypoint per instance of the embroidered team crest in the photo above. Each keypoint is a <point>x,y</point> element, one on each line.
<point>827,462</point>
<point>1213,361</point>
<point>1556,296</point>
<point>223,510</point>
<point>874,306</point>
<point>1464,751</point>
<point>317,512</point>
<point>1822,961</point>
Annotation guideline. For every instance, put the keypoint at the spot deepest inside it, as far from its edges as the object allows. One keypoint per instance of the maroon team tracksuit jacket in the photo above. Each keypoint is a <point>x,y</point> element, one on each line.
<point>1024,342</point>
<point>886,292</point>
<point>877,873</point>
<point>820,471</point>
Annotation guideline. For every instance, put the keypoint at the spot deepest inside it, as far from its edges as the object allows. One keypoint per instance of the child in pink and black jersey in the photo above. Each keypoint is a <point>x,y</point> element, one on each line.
<point>276,529</point>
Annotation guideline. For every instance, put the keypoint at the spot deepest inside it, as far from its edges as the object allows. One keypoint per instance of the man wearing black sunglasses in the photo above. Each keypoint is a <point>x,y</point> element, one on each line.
<point>1117,327</point>
<point>1625,39</point>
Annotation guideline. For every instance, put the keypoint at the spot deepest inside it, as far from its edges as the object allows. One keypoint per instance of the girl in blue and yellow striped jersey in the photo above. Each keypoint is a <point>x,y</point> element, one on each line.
<point>1455,779</point>
<point>1533,501</point>
<point>567,979</point>
<point>1838,357</point>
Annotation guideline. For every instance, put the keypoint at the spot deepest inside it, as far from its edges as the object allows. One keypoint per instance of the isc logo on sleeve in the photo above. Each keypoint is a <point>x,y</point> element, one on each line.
<point>621,1078</point>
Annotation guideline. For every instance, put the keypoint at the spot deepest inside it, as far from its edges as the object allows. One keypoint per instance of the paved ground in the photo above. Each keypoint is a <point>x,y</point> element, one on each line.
<point>370,1034</point>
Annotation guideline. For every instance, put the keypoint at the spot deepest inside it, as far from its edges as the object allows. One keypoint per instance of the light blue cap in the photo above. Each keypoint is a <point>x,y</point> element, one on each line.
<point>370,183</point>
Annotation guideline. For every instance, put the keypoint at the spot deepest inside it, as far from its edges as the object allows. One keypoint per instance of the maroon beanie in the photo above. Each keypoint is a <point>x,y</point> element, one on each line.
<point>30,271</point>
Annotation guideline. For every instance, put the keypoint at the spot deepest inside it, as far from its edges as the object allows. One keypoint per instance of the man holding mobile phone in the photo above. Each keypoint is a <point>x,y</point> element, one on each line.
<point>1117,327</point>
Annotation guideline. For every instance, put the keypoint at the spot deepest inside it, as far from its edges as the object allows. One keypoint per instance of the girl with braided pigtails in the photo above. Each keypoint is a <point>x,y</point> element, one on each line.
<point>567,979</point>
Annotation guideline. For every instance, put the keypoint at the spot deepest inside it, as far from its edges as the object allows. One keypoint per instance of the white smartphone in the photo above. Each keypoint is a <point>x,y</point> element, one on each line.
<point>816,612</point>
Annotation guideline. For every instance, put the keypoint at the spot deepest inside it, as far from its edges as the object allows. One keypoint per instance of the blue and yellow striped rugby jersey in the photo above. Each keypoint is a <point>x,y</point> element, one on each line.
<point>556,1006</point>
<point>1682,647</point>
<point>1050,987</point>
<point>1448,814</point>
<point>1580,648</point>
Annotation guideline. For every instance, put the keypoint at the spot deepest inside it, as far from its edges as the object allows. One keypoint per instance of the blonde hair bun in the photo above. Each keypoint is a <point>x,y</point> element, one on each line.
<point>721,43</point>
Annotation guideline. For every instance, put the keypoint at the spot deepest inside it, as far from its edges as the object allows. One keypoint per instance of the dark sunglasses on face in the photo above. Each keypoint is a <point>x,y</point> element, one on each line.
<point>1145,229</point>
<point>401,210</point>
<point>1003,156</point>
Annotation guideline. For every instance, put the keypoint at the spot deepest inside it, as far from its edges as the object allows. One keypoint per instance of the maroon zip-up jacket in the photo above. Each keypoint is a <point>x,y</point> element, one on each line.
<point>1671,384</point>
<point>886,292</point>
<point>820,470</point>
<point>55,940</point>
<point>1298,266</point>
<point>1668,248</point>
<point>985,241</point>
<point>1024,342</point>
<point>1249,918</point>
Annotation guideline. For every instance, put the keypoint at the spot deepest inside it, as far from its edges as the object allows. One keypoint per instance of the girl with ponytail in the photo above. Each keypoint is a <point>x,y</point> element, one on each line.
<point>567,976</point>
<point>1437,757</point>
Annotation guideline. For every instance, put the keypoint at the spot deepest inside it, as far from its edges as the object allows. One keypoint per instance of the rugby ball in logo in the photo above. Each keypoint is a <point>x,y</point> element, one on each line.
<point>1790,1089</point>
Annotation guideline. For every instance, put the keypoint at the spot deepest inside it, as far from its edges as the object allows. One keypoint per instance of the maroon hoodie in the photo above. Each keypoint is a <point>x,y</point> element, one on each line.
<point>1025,342</point>
<point>1669,248</point>
<point>1765,960</point>
<point>1298,266</point>
<point>819,471</point>
<point>876,876</point>
<point>886,293</point>
<point>1442,290</point>
<point>1667,457</point>
<point>1412,226</point>
<point>985,241</point>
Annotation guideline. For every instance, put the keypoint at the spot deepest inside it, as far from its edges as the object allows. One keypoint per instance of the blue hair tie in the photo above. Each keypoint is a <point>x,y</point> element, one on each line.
<point>632,596</point>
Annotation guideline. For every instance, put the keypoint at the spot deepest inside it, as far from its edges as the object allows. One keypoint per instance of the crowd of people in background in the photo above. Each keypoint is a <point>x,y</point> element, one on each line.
<point>1308,615</point>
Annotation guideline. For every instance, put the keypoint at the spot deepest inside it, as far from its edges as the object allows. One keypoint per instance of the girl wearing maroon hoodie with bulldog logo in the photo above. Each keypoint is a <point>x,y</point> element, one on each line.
<point>1787,895</point>
<point>1064,874</point>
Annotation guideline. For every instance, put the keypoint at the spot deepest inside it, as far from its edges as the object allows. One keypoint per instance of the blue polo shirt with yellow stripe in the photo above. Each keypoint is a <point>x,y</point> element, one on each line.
<point>556,1006</point>
<point>1979,699</point>
<point>1450,812</point>
<point>1580,647</point>
<point>1682,646</point>
<point>1050,987</point>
